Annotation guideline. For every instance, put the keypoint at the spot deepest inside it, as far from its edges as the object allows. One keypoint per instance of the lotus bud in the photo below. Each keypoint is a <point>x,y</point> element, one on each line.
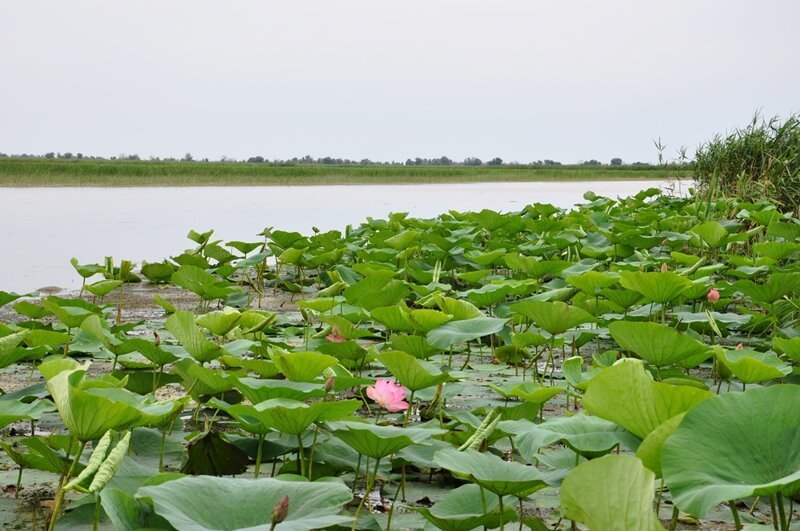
<point>740,346</point>
<point>665,242</point>
<point>156,338</point>
<point>713,296</point>
<point>664,267</point>
<point>280,510</point>
<point>329,384</point>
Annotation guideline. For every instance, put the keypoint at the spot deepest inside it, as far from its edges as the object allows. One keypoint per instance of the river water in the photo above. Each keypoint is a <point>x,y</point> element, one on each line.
<point>42,228</point>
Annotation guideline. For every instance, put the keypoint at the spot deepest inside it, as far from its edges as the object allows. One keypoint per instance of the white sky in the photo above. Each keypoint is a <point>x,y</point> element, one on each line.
<point>519,79</point>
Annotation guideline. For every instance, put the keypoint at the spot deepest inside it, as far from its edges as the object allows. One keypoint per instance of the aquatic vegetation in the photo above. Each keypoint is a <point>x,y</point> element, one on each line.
<point>612,366</point>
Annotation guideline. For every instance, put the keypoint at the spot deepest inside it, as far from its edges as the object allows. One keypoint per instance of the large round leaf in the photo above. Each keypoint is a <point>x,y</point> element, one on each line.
<point>656,286</point>
<point>491,472</point>
<point>412,373</point>
<point>198,502</point>
<point>658,344</point>
<point>735,445</point>
<point>613,493</point>
<point>751,366</point>
<point>456,332</point>
<point>462,509</point>
<point>554,317</point>
<point>584,434</point>
<point>627,395</point>
<point>378,441</point>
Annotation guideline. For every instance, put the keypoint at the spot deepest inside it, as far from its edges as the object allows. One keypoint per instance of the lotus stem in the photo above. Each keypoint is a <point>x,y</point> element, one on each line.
<point>259,453</point>
<point>19,482</point>
<point>370,486</point>
<point>408,411</point>
<point>502,515</point>
<point>736,520</point>
<point>64,478</point>
<point>673,523</point>
<point>311,453</point>
<point>394,502</point>
<point>96,514</point>
<point>300,467</point>
<point>782,513</point>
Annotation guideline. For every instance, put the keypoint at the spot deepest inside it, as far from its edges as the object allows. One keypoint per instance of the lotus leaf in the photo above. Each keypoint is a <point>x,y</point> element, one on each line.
<point>735,445</point>
<point>613,493</point>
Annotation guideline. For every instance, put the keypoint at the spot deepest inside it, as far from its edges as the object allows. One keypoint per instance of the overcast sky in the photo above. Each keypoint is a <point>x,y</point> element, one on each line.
<point>518,79</point>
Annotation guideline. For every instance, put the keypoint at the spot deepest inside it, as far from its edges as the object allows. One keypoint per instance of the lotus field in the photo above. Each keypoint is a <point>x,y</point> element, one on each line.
<point>630,364</point>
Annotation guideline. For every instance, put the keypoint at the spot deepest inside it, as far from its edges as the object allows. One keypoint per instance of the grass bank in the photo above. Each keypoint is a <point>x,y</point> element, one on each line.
<point>50,173</point>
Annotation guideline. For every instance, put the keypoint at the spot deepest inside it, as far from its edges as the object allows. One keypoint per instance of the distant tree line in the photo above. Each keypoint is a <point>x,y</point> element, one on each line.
<point>259,159</point>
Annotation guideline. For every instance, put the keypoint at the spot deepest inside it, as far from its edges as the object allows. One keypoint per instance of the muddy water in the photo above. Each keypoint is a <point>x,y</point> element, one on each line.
<point>41,228</point>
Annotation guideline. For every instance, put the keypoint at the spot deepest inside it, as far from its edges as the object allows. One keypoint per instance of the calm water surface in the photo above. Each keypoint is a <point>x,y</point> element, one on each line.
<point>42,228</point>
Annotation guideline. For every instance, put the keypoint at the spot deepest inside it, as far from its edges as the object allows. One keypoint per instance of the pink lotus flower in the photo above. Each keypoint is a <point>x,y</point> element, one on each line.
<point>713,296</point>
<point>664,267</point>
<point>335,335</point>
<point>740,346</point>
<point>388,395</point>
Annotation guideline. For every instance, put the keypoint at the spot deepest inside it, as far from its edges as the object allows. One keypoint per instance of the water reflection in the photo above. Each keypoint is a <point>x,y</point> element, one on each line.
<point>41,228</point>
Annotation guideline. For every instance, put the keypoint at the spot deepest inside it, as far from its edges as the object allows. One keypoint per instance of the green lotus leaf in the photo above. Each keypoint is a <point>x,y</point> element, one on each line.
<point>650,449</point>
<point>302,366</point>
<point>15,410</point>
<point>9,353</point>
<point>42,453</point>
<point>534,392</point>
<point>148,349</point>
<point>777,286</point>
<point>264,368</point>
<point>220,322</point>
<point>457,332</point>
<point>554,317</point>
<point>321,304</point>
<point>460,310</point>
<point>586,435</point>
<point>287,416</point>
<point>194,503</point>
<point>462,509</point>
<point>571,369</point>
<point>502,477</point>
<point>612,493</point>
<point>592,282</point>
<point>628,396</point>
<point>712,233</point>
<point>103,287</point>
<point>488,295</point>
<point>378,441</point>
<point>31,310</point>
<point>751,366</point>
<point>203,381</point>
<point>86,414</point>
<point>417,346</point>
<point>394,318</point>
<point>656,286</point>
<point>201,282</point>
<point>735,445</point>
<point>402,240</point>
<point>50,339</point>
<point>655,343</point>
<point>790,347</point>
<point>261,390</point>
<point>426,320</point>
<point>411,372</point>
<point>71,315</point>
<point>181,324</point>
<point>376,290</point>
<point>776,250</point>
